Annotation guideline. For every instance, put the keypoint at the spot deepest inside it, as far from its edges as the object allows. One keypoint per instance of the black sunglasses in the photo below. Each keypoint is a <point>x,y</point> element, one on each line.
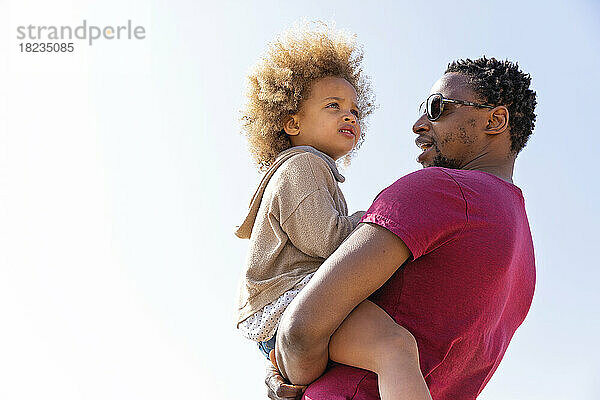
<point>434,106</point>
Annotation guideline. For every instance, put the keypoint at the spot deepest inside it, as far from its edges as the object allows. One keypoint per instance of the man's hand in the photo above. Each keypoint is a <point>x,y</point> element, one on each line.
<point>278,388</point>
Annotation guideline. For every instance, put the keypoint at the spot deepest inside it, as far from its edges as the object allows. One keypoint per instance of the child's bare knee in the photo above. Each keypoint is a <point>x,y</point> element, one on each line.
<point>398,344</point>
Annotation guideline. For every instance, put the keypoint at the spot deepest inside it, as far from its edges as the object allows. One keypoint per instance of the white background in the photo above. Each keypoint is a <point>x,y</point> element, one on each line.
<point>122,175</point>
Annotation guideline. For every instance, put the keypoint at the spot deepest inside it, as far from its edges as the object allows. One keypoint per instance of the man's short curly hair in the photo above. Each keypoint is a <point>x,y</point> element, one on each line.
<point>502,83</point>
<point>283,78</point>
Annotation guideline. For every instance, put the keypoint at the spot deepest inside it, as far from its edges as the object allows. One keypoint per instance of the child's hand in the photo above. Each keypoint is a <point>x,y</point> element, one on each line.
<point>278,388</point>
<point>356,217</point>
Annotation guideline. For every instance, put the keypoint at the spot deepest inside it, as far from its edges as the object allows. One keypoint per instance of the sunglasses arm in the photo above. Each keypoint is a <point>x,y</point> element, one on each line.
<point>466,103</point>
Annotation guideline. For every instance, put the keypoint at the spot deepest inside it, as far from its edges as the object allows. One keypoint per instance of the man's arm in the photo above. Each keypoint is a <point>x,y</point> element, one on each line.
<point>362,264</point>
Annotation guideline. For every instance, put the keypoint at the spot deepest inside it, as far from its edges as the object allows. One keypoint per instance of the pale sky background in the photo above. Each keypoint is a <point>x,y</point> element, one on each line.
<point>122,175</point>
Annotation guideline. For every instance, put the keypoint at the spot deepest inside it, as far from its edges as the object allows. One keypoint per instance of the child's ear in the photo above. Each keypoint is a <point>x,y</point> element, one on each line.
<point>291,125</point>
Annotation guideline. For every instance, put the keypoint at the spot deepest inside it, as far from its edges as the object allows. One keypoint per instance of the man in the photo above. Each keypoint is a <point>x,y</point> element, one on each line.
<point>446,251</point>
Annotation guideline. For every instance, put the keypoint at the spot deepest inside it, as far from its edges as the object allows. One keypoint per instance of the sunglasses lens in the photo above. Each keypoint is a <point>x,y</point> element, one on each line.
<point>434,107</point>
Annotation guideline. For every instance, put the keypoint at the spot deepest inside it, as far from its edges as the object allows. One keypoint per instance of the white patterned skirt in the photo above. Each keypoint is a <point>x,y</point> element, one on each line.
<point>262,325</point>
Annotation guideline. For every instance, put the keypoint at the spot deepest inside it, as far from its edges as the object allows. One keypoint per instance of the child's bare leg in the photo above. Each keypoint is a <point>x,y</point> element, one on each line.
<point>370,339</point>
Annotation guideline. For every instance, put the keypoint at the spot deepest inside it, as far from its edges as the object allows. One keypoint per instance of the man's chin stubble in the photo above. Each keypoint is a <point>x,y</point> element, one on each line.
<point>439,160</point>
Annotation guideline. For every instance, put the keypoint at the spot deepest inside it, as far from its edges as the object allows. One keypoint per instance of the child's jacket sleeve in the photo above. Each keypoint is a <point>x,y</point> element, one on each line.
<point>312,208</point>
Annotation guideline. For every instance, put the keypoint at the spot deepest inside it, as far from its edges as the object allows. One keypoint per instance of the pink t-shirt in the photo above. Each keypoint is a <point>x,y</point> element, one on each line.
<point>466,289</point>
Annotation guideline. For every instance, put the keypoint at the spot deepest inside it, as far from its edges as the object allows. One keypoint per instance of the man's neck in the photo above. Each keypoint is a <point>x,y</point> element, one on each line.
<point>503,169</point>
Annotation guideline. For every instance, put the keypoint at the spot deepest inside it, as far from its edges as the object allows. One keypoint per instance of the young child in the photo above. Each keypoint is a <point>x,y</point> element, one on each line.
<point>306,100</point>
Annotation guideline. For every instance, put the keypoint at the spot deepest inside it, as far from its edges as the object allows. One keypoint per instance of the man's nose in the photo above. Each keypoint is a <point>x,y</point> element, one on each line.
<point>422,125</point>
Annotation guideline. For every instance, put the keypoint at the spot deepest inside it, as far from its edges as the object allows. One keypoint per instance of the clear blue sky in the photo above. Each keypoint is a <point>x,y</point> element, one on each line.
<point>122,174</point>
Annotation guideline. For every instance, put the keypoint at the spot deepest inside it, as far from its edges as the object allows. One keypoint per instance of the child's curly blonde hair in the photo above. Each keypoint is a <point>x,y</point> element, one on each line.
<point>283,78</point>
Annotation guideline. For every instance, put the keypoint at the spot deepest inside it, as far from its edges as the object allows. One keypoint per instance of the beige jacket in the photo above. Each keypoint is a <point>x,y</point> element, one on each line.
<point>297,218</point>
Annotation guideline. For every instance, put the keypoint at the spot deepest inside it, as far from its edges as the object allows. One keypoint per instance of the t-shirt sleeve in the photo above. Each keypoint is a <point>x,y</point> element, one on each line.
<point>425,209</point>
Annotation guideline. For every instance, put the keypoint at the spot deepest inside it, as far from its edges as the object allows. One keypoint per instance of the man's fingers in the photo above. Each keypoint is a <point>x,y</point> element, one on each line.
<point>279,388</point>
<point>286,392</point>
<point>273,396</point>
<point>290,391</point>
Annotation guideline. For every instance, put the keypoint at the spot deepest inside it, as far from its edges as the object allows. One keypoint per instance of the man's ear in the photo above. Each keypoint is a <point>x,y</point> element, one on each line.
<point>497,121</point>
<point>291,125</point>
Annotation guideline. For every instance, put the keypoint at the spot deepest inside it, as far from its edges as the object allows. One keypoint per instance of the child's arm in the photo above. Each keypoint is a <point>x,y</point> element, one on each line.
<point>313,223</point>
<point>316,228</point>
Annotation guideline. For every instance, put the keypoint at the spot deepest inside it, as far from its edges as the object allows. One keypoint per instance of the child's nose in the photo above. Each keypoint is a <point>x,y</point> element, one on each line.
<point>350,118</point>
